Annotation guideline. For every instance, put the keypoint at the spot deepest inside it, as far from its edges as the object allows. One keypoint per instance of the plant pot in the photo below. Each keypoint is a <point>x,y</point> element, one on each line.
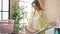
<point>15,31</point>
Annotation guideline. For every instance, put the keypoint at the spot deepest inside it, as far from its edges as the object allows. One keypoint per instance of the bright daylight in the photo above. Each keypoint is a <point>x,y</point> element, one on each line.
<point>29,16</point>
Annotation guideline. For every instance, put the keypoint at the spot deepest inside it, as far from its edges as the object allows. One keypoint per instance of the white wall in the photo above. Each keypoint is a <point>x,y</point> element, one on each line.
<point>53,9</point>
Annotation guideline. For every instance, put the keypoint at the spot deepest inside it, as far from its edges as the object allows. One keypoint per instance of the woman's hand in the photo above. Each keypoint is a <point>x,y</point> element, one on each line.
<point>30,30</point>
<point>26,28</point>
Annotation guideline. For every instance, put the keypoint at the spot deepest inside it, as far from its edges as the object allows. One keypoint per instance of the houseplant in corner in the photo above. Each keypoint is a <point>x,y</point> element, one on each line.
<point>17,15</point>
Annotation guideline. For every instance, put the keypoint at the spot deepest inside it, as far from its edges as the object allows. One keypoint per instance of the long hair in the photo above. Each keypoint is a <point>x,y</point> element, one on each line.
<point>37,4</point>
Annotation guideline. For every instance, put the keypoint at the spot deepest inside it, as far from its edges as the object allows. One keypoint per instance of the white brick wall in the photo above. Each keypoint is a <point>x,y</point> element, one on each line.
<point>53,9</point>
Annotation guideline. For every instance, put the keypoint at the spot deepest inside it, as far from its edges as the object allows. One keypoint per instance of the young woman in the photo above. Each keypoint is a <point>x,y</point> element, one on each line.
<point>38,19</point>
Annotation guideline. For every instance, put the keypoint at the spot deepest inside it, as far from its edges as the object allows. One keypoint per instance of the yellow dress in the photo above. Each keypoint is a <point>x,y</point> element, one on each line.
<point>43,22</point>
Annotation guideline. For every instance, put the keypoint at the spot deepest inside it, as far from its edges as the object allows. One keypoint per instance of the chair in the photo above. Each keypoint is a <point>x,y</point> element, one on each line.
<point>6,26</point>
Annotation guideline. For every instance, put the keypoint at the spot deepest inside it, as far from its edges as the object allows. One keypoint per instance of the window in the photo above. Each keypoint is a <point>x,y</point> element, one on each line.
<point>4,9</point>
<point>0,15</point>
<point>28,9</point>
<point>0,5</point>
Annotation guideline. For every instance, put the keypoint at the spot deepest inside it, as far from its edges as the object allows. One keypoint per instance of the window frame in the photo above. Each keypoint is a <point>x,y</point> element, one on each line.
<point>5,11</point>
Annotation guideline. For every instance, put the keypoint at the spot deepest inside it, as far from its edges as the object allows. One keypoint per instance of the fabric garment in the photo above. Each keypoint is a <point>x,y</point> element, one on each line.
<point>35,20</point>
<point>42,22</point>
<point>57,31</point>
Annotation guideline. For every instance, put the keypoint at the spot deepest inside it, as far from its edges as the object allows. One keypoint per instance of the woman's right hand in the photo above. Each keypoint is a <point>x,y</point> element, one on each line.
<point>26,27</point>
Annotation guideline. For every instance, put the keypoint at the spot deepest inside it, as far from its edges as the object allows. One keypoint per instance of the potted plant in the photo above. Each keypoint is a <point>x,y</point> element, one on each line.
<point>18,14</point>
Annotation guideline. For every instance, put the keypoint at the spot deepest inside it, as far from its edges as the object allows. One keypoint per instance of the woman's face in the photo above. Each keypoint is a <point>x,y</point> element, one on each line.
<point>34,6</point>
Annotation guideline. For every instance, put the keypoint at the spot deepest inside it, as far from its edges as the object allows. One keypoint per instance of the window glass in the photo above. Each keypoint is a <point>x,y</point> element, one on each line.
<point>5,5</point>
<point>0,15</point>
<point>0,5</point>
<point>5,15</point>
